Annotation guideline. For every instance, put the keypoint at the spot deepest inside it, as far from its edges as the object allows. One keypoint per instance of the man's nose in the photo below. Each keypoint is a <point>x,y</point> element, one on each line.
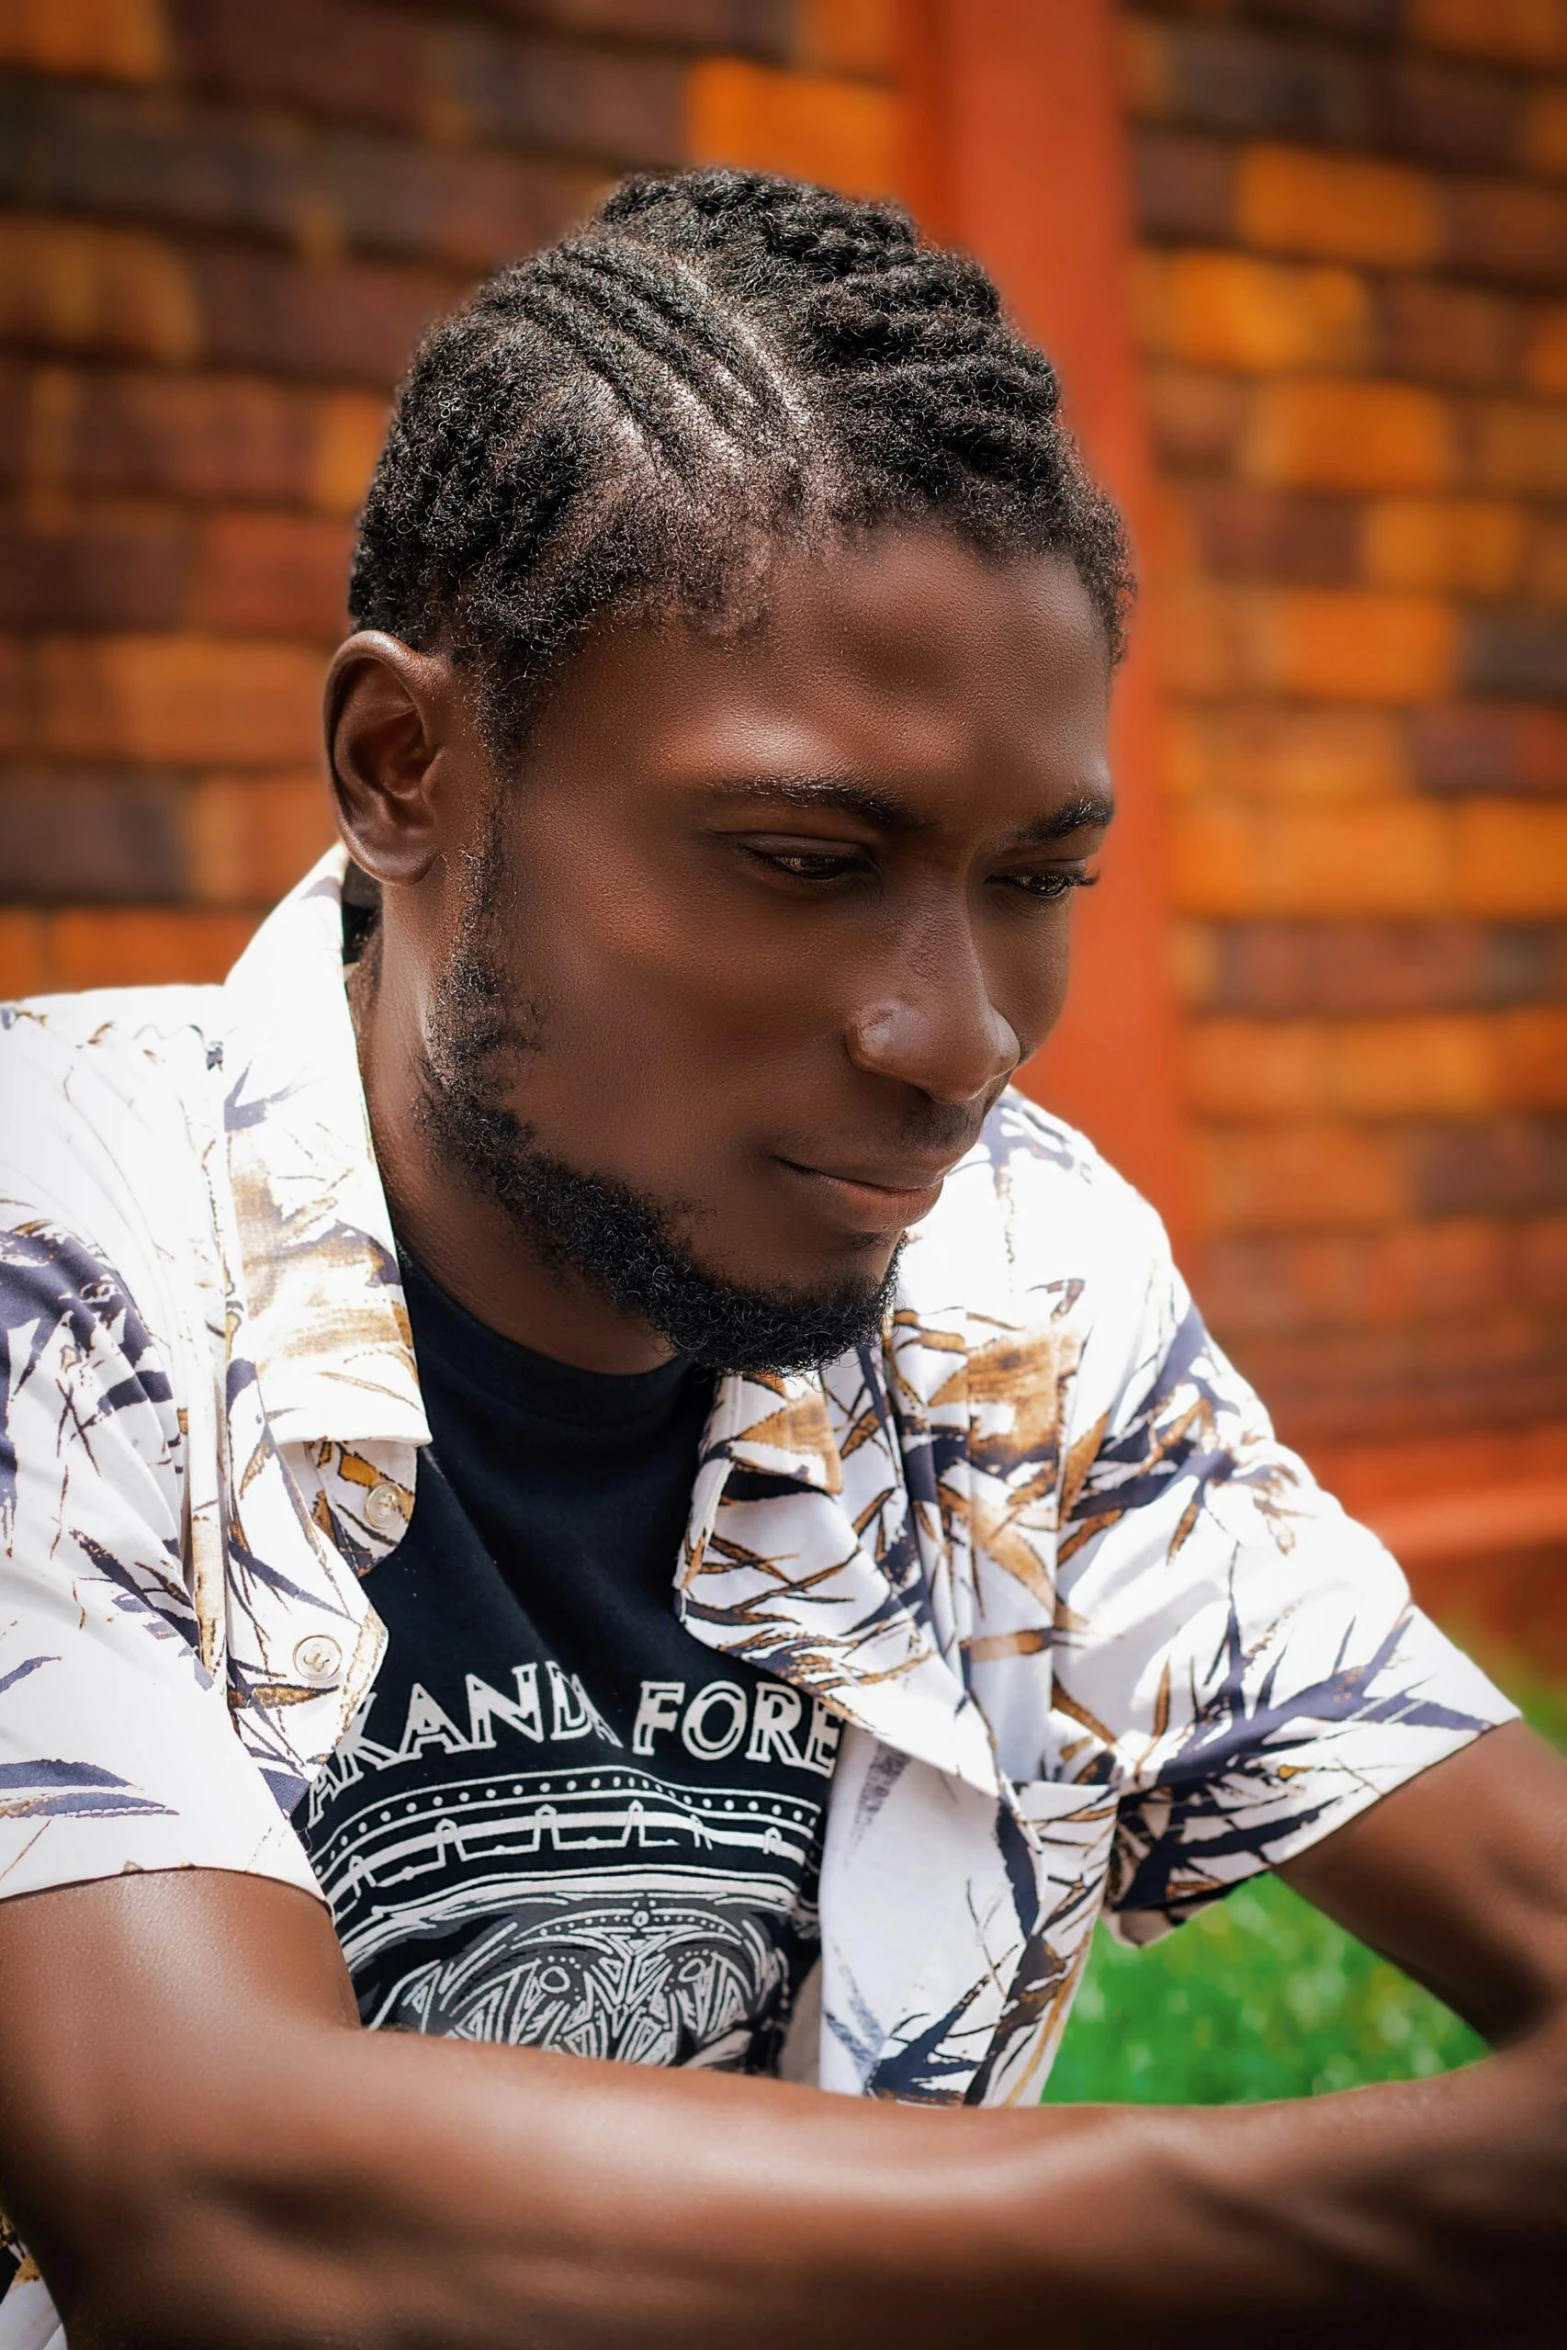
<point>933,1025</point>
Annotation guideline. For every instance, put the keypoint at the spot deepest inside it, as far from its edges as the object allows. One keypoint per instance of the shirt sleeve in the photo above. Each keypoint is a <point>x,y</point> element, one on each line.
<point>1236,1653</point>
<point>116,1747</point>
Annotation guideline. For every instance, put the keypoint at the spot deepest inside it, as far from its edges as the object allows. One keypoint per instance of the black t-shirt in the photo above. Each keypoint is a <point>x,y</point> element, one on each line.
<point>559,1820</point>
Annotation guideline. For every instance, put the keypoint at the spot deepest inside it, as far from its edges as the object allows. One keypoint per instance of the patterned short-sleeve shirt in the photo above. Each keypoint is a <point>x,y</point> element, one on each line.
<point>1099,1643</point>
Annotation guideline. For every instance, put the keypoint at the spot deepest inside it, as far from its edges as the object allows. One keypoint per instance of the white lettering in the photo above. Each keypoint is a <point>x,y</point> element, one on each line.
<point>487,1706</point>
<point>573,1710</point>
<point>658,1710</point>
<point>821,1750</point>
<point>694,1728</point>
<point>777,1717</point>
<point>428,1725</point>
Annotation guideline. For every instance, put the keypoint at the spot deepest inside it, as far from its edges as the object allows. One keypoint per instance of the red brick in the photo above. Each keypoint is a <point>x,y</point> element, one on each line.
<point>122,154</point>
<point>1545,130</point>
<point>1449,114</point>
<point>1350,436</point>
<point>1519,652</point>
<point>1506,229</point>
<point>186,700</point>
<point>1474,546</point>
<point>1439,1065</point>
<point>1518,445</point>
<point>1546,570</point>
<point>515,90</point>
<point>1448,334</point>
<point>1322,644</point>
<point>1349,646</point>
<point>1542,1259</point>
<point>1510,858</point>
<point>274,575</point>
<point>1362,1386</point>
<point>1436,1065</point>
<point>1182,187</point>
<point>75,835</point>
<point>1514,32</point>
<point>15,696</point>
<point>1333,967</point>
<point>1530,1045</point>
<point>129,156</point>
<point>170,435</point>
<point>464,211</point>
<point>839,36</point>
<point>842,132</point>
<point>93,571</point>
<point>1244,83</point>
<point>1545,360</point>
<point>1389,857</point>
<point>69,286</point>
<point>1373,20</point>
<point>1356,1280</point>
<point>1230,310</point>
<point>1342,208</point>
<point>349,430</point>
<point>1475,747</point>
<point>1195,418</point>
<point>1245,532</point>
<point>142,947</point>
<point>357,321</point>
<point>372,64</point>
<point>120,40</point>
<point>763,28</point>
<point>1276,752</point>
<point>250,837</point>
<point>24,964</point>
<point>1299,1178</point>
<point>1512,1166</point>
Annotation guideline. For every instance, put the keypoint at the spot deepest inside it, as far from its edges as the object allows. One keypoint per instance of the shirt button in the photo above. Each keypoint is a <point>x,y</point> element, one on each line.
<point>384,1509</point>
<point>318,1659</point>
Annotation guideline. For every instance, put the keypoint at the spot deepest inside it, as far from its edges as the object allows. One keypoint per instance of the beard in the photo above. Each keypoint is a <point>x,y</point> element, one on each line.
<point>628,1244</point>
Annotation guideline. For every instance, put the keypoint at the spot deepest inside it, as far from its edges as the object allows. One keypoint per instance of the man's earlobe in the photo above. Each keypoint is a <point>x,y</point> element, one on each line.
<point>387,711</point>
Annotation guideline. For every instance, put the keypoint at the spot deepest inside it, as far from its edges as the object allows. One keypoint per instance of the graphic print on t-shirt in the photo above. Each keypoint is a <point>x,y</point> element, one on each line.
<point>558,1820</point>
<point>518,1872</point>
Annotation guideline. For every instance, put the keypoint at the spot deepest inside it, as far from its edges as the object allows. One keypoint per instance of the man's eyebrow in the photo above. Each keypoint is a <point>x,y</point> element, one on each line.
<point>1085,811</point>
<point>1090,811</point>
<point>828,791</point>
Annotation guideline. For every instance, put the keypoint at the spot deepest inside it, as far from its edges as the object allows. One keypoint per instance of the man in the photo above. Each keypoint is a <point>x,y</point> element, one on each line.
<point>720,746</point>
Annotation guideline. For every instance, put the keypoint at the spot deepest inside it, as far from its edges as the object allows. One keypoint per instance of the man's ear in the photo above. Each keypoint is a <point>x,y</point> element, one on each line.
<point>388,714</point>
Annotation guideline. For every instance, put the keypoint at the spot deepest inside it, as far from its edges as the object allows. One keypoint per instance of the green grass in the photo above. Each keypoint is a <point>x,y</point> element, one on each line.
<point>1261,1996</point>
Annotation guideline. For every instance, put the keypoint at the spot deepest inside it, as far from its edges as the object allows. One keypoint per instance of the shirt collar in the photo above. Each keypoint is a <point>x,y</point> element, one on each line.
<point>328,1329</point>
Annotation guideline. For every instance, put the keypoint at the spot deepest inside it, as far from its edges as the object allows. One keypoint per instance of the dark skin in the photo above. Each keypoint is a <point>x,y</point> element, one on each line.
<point>788,1012</point>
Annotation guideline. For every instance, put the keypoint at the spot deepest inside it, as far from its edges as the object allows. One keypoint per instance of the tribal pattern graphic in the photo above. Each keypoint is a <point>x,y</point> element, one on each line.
<point>1098,1642</point>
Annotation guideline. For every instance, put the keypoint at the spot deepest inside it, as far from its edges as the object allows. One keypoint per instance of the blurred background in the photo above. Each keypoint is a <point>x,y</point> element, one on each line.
<point>1303,267</point>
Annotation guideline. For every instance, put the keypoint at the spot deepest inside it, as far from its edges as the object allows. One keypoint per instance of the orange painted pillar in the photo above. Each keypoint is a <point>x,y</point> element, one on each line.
<point>1016,149</point>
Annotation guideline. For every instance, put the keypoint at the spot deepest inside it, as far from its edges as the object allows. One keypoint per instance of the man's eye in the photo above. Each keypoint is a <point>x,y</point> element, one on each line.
<point>808,864</point>
<point>1048,887</point>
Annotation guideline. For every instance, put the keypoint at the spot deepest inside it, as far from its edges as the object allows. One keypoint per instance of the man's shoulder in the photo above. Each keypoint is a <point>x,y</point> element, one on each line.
<point>1034,1206</point>
<point>105,1093</point>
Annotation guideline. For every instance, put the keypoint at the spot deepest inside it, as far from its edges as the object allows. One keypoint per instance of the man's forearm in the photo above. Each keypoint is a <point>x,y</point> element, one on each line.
<point>387,2190</point>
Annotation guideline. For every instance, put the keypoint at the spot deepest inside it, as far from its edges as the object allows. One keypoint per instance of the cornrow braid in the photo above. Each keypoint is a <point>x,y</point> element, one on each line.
<point>721,364</point>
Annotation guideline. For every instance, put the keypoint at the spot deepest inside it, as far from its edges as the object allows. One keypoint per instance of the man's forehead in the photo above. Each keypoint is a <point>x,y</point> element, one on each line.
<point>865,638</point>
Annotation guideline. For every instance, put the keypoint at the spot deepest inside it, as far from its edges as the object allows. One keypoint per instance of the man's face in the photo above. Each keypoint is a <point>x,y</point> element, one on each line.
<point>775,917</point>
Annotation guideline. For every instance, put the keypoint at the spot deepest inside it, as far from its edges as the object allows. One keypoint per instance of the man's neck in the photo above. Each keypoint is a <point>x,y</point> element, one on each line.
<point>469,1243</point>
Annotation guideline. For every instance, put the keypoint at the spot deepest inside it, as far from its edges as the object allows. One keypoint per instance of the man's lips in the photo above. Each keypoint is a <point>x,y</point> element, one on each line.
<point>875,1199</point>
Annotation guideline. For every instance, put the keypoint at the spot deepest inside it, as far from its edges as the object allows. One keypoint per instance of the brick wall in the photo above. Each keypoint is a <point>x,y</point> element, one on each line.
<point>1350,297</point>
<point>225,223</point>
<point>228,221</point>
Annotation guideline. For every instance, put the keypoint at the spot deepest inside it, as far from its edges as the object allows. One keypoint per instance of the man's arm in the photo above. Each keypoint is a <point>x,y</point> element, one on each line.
<point>203,2149</point>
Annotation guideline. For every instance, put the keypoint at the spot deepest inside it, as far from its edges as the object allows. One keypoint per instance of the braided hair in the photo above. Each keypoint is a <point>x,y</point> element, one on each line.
<point>722,363</point>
